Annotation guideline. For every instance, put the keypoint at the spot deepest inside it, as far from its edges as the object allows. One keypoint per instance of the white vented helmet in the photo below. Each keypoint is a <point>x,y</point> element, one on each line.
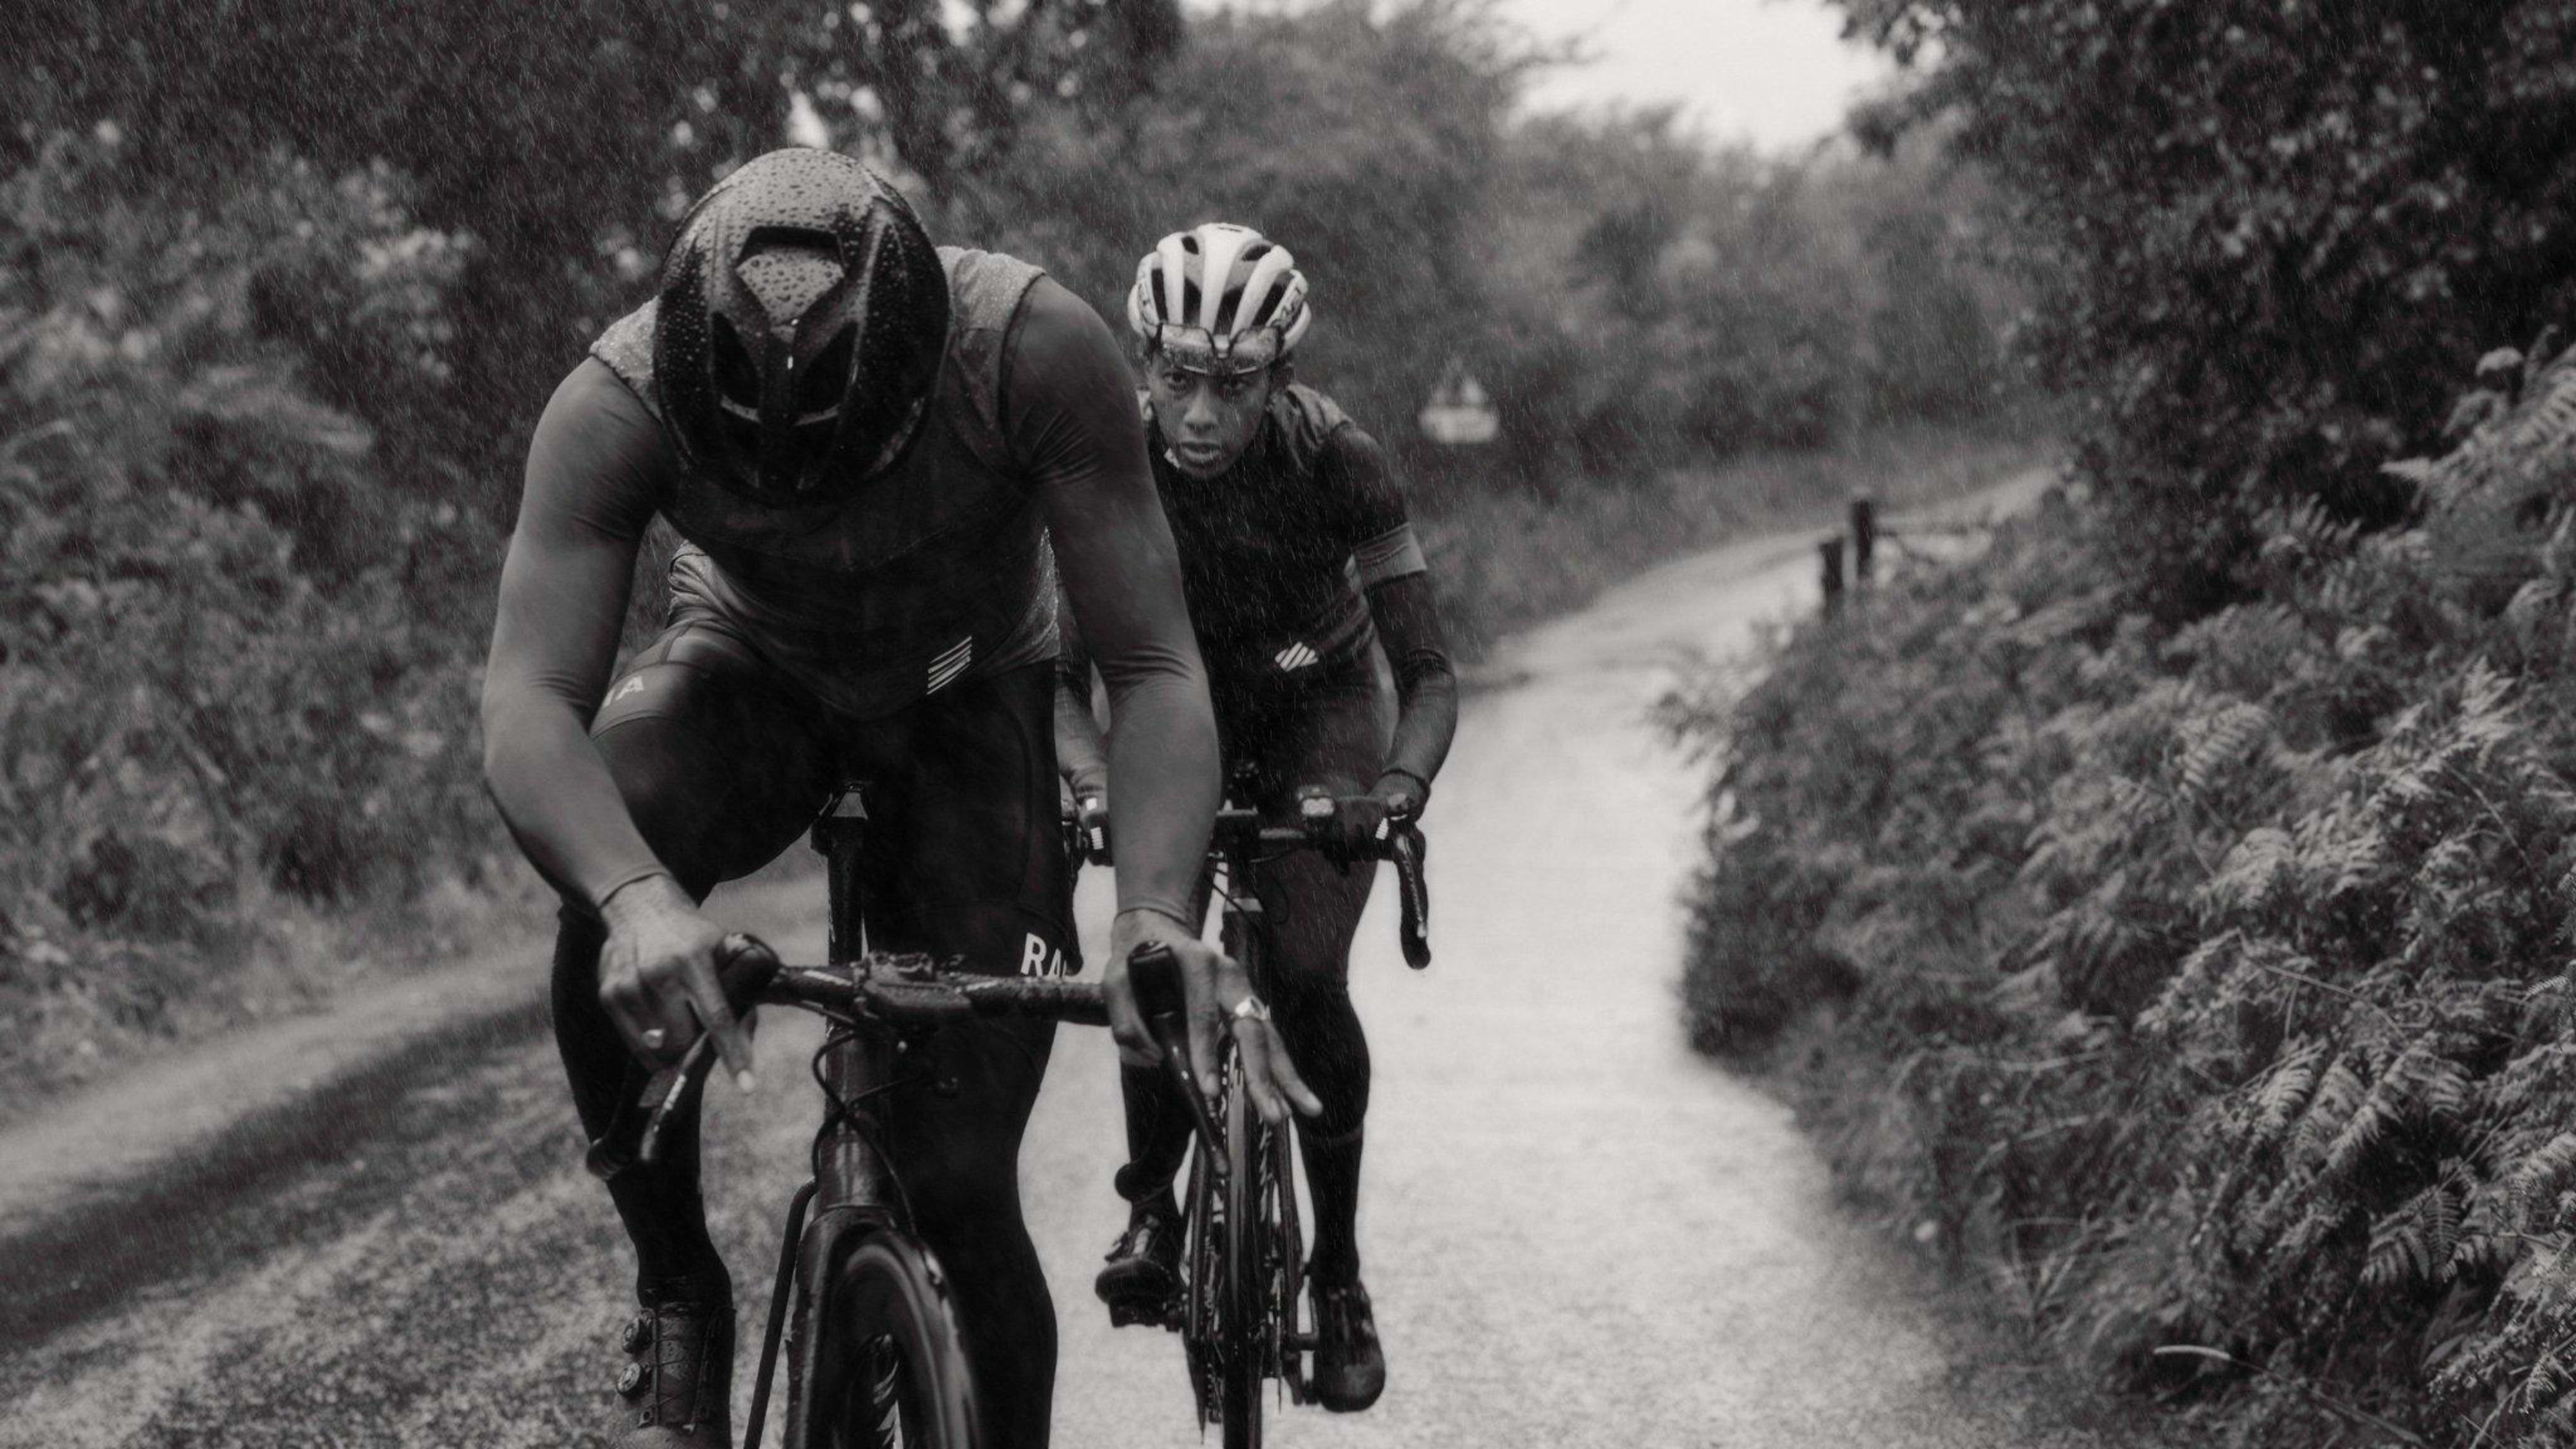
<point>1223,292</point>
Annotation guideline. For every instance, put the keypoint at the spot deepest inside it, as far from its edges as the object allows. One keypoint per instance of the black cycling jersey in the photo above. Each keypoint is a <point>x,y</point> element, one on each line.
<point>1277,551</point>
<point>1295,561</point>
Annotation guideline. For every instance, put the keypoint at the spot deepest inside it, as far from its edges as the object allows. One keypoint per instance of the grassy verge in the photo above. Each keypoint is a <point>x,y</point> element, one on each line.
<point>2199,989</point>
<point>83,1009</point>
<point>1511,560</point>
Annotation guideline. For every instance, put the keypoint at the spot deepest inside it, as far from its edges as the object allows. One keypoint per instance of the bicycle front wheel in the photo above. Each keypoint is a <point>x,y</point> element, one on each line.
<point>1245,1292</point>
<point>891,1342</point>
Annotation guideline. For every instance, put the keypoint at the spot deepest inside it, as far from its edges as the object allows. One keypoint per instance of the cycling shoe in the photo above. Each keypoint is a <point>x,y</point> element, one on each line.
<point>1144,1268</point>
<point>678,1381</point>
<point>1350,1368</point>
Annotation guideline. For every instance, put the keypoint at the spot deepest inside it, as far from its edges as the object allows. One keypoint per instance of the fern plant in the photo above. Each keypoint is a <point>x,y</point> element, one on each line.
<point>2209,985</point>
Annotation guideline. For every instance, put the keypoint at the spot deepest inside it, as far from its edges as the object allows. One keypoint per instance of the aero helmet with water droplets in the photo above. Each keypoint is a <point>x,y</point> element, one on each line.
<point>803,320</point>
<point>1221,293</point>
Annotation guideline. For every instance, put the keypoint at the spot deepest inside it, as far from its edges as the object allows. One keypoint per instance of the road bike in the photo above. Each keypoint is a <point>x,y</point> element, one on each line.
<point>874,1355</point>
<point>1238,1305</point>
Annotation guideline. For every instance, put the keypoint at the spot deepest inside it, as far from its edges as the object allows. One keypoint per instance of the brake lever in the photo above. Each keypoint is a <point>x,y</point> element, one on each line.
<point>1413,890</point>
<point>745,967</point>
<point>635,1133</point>
<point>1156,974</point>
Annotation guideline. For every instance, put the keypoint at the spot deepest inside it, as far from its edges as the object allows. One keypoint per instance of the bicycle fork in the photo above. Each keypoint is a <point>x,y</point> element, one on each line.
<point>769,1337</point>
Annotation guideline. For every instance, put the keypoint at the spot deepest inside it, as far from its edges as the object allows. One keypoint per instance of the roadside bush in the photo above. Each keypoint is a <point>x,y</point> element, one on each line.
<point>2207,985</point>
<point>217,678</point>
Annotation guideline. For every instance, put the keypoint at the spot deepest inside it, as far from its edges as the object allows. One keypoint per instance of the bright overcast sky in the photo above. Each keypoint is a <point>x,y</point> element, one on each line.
<point>1774,70</point>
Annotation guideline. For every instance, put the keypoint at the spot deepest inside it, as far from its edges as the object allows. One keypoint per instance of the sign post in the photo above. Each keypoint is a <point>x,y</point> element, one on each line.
<point>1460,413</point>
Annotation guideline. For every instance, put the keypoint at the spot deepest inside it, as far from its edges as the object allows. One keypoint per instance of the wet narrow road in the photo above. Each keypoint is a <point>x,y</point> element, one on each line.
<point>1577,1232</point>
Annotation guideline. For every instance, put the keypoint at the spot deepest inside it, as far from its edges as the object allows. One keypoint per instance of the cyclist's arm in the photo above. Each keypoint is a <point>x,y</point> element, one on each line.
<point>1397,579</point>
<point>592,478</point>
<point>1074,416</point>
<point>1426,688</point>
<point>1079,755</point>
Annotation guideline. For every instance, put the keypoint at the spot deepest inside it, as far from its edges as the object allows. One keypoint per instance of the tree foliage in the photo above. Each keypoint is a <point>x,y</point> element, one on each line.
<point>562,137</point>
<point>2258,229</point>
<point>284,286</point>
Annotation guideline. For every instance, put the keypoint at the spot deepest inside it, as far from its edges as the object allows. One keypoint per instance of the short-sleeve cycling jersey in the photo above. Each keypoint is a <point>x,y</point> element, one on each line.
<point>1278,551</point>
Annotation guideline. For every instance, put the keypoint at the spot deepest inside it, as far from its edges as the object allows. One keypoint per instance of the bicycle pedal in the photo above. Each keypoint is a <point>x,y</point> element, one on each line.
<point>1127,1313</point>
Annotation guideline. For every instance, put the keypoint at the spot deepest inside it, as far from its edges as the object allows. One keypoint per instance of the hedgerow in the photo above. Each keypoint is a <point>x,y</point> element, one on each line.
<point>236,640</point>
<point>2208,986</point>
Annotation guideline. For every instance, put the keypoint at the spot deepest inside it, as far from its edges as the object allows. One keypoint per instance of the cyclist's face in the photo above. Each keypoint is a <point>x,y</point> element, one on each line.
<point>1208,418</point>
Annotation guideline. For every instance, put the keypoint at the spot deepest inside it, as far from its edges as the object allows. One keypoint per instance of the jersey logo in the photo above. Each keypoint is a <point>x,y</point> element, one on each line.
<point>1295,657</point>
<point>945,669</point>
<point>1037,958</point>
<point>634,685</point>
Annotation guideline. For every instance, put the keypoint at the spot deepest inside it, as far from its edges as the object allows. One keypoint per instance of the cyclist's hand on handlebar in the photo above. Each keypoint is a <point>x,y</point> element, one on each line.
<point>1133,929</point>
<point>657,977</point>
<point>1346,828</point>
<point>1215,986</point>
<point>1404,793</point>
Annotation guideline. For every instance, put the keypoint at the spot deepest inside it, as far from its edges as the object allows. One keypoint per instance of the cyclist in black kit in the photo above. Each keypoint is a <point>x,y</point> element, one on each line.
<point>878,453</point>
<point>1297,561</point>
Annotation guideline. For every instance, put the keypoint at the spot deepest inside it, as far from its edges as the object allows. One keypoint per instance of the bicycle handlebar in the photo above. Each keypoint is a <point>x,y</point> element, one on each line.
<point>888,992</point>
<point>1404,846</point>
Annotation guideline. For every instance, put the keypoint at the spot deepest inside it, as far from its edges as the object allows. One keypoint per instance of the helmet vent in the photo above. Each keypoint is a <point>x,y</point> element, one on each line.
<point>788,269</point>
<point>819,390</point>
<point>737,379</point>
<point>790,238</point>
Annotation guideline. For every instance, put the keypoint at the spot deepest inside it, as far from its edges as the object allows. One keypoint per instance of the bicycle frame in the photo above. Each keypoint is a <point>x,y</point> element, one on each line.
<point>1267,1161</point>
<point>1240,930</point>
<point>850,1224</point>
<point>853,1192</point>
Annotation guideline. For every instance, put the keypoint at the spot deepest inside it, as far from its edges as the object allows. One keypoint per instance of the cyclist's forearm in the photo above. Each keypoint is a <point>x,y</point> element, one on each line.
<point>1428,719</point>
<point>557,796</point>
<point>1163,784</point>
<point>1426,687</point>
<point>1078,753</point>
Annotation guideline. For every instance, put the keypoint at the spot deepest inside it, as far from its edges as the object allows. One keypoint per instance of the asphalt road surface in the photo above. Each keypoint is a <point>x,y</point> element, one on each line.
<point>1576,1231</point>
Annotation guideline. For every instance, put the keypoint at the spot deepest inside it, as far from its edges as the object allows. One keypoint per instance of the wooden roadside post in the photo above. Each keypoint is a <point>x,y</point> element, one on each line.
<point>1864,537</point>
<point>1829,552</point>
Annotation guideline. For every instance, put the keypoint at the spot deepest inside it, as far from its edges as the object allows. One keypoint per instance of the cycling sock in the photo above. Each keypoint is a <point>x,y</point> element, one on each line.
<point>1333,1176</point>
<point>1323,1034</point>
<point>1158,1134</point>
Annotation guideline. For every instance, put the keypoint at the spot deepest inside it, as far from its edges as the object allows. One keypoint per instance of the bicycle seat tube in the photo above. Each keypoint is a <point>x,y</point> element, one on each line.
<point>847,1168</point>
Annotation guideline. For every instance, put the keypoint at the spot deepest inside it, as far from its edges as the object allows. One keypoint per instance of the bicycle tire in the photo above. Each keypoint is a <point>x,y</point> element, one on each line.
<point>1199,1306</point>
<point>892,1343</point>
<point>1287,1241</point>
<point>1244,1320</point>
